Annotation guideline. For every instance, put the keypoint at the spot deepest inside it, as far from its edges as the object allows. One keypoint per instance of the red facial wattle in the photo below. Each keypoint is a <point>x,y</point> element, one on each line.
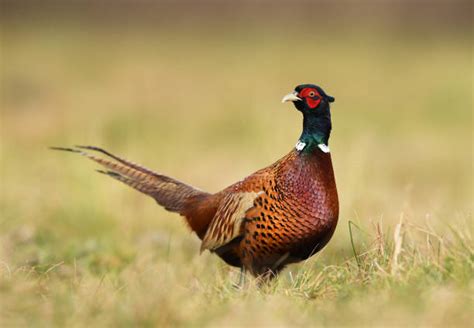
<point>311,96</point>
<point>313,103</point>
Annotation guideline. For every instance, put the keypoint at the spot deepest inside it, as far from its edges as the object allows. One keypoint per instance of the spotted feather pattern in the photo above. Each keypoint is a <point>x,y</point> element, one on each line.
<point>294,217</point>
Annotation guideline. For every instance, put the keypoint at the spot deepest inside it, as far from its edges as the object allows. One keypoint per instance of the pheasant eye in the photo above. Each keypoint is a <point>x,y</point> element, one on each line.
<point>311,94</point>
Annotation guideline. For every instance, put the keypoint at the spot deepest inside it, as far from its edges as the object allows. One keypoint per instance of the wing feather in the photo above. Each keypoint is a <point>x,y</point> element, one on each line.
<point>228,222</point>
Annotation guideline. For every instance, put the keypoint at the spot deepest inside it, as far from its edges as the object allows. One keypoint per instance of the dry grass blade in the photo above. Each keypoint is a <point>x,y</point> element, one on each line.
<point>397,250</point>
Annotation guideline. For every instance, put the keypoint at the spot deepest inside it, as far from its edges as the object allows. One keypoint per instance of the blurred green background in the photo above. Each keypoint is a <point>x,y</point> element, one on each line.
<point>193,90</point>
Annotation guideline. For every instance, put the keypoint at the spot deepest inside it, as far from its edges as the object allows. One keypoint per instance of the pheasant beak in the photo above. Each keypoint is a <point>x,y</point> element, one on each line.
<point>291,97</point>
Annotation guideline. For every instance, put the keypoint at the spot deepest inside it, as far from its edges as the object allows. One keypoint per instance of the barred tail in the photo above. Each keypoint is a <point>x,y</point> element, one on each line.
<point>168,192</point>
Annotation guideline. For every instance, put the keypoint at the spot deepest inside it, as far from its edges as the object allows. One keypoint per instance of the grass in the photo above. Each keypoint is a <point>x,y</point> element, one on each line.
<point>419,283</point>
<point>203,106</point>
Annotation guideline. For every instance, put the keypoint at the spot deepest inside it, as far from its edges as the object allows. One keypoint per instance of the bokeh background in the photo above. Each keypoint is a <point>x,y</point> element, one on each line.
<point>192,89</point>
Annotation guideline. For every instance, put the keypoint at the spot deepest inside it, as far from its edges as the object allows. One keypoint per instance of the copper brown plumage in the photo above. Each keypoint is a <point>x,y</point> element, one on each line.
<point>281,214</point>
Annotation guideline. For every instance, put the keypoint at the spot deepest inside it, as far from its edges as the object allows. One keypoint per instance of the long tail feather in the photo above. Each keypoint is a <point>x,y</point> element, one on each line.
<point>168,192</point>
<point>119,159</point>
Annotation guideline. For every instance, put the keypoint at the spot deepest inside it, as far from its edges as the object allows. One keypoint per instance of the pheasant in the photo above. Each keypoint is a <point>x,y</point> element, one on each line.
<point>279,215</point>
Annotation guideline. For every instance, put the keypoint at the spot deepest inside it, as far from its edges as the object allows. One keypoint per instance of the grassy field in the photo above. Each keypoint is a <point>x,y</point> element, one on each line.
<point>203,105</point>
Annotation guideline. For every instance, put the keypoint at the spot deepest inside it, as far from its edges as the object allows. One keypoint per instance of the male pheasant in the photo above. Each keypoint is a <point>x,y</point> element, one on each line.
<point>281,214</point>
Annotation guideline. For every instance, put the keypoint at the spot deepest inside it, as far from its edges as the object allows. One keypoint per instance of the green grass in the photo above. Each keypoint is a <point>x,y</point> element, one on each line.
<point>79,249</point>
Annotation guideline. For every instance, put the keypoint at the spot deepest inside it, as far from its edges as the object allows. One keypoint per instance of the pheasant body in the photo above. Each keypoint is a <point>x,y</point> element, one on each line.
<point>294,217</point>
<point>281,214</point>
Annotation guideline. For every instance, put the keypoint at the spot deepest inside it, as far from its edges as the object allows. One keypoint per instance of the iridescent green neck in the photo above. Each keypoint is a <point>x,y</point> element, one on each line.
<point>316,131</point>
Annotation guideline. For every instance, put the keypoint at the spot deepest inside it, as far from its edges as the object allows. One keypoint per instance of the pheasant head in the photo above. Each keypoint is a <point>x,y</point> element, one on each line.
<point>313,103</point>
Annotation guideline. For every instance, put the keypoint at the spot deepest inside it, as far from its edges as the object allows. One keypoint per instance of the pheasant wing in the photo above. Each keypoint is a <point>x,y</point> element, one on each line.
<point>228,221</point>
